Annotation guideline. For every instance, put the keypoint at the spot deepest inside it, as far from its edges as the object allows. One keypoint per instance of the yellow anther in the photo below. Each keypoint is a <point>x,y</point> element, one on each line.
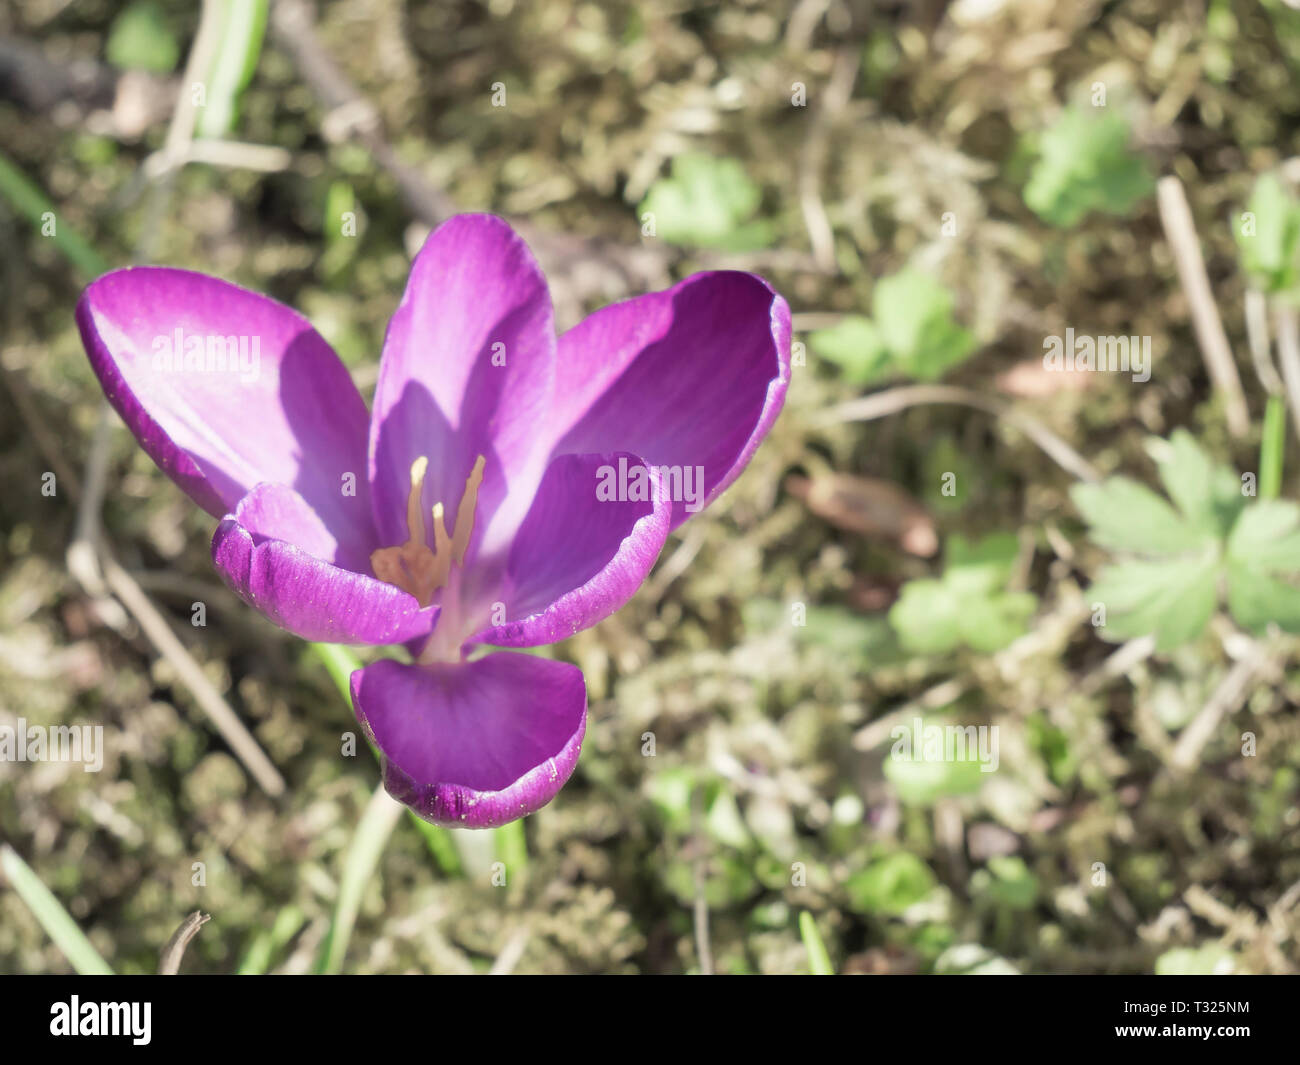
<point>414,517</point>
<point>465,512</point>
<point>413,566</point>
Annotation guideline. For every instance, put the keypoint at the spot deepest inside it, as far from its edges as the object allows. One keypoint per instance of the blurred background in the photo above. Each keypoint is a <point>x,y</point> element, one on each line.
<point>936,188</point>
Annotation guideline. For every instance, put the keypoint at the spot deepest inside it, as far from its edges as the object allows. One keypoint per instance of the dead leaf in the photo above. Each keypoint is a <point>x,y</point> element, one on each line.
<point>868,506</point>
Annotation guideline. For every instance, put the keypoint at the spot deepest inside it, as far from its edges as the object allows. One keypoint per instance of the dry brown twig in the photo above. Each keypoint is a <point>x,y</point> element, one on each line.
<point>170,962</point>
<point>1231,692</point>
<point>1180,231</point>
<point>894,400</point>
<point>1287,323</point>
<point>1257,340</point>
<point>699,878</point>
<point>813,158</point>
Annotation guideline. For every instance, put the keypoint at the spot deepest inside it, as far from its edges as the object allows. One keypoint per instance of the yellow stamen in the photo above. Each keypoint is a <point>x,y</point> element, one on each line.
<point>465,512</point>
<point>414,519</point>
<point>413,566</point>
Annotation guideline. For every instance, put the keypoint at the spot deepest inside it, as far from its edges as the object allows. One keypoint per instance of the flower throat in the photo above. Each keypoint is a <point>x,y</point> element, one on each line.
<point>414,566</point>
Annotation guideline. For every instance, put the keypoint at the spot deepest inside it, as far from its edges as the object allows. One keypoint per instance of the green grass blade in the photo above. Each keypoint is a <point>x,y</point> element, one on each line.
<point>56,921</point>
<point>1272,447</point>
<point>818,960</point>
<point>441,846</point>
<point>269,942</point>
<point>511,847</point>
<point>368,842</point>
<point>340,662</point>
<point>240,46</point>
<point>30,202</point>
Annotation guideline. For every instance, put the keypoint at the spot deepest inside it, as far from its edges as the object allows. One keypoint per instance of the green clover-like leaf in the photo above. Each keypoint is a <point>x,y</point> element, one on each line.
<point>913,312</point>
<point>1270,244</point>
<point>1183,555</point>
<point>708,202</point>
<point>1128,516</point>
<point>911,333</point>
<point>1170,598</point>
<point>1263,548</point>
<point>1085,164</point>
<point>968,605</point>
<point>1007,882</point>
<point>890,885</point>
<point>140,39</point>
<point>1207,493</point>
<point>854,345</point>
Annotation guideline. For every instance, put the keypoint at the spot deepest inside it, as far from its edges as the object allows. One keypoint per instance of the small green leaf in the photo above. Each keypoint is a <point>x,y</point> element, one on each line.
<point>992,623</point>
<point>913,312</point>
<point>1172,599</point>
<point>1007,882</point>
<point>854,345</point>
<point>670,791</point>
<point>1053,745</point>
<point>1267,537</point>
<point>1265,544</point>
<point>1125,515</point>
<point>1270,249</point>
<point>725,824</point>
<point>982,565</point>
<point>911,334</point>
<point>967,606</point>
<point>890,885</point>
<point>1257,600</point>
<point>707,202</point>
<point>927,617</point>
<point>1208,494</point>
<point>140,39</point>
<point>1084,164</point>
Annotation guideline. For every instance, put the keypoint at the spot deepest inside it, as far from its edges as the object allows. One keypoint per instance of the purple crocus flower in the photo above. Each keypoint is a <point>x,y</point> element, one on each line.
<point>509,488</point>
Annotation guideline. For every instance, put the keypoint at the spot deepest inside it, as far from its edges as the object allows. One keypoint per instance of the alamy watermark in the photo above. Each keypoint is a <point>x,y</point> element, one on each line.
<point>53,743</point>
<point>634,483</point>
<point>920,742</point>
<point>77,1018</point>
<point>181,352</point>
<point>1102,354</point>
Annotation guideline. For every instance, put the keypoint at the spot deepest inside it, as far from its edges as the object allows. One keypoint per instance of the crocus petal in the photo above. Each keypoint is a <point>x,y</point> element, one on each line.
<point>692,377</point>
<point>272,551</point>
<point>474,744</point>
<point>291,415</point>
<point>583,549</point>
<point>467,370</point>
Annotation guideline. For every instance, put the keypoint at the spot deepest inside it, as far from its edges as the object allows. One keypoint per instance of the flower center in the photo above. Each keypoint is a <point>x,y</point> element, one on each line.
<point>414,566</point>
